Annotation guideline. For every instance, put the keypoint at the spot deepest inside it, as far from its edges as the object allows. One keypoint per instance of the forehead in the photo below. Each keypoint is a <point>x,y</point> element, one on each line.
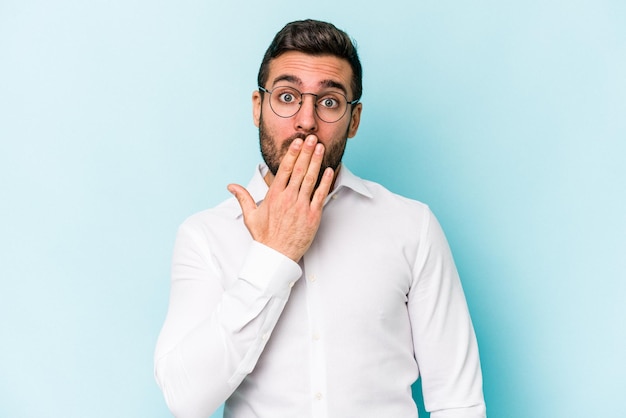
<point>310,71</point>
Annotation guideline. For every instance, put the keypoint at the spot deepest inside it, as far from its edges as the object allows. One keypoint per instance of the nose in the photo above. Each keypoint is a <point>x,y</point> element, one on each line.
<point>306,118</point>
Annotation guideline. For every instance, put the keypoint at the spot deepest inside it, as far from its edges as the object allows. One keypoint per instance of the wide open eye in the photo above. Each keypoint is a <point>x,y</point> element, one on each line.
<point>329,102</point>
<point>286,95</point>
<point>286,98</point>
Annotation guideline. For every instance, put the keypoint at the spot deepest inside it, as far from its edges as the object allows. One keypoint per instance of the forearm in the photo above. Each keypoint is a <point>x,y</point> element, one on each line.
<point>205,367</point>
<point>209,344</point>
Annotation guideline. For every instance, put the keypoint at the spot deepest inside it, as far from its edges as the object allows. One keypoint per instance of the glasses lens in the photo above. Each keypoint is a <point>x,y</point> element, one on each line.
<point>331,106</point>
<point>285,101</point>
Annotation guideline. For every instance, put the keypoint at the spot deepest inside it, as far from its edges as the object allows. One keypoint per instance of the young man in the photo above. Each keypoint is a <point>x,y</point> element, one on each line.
<point>314,293</point>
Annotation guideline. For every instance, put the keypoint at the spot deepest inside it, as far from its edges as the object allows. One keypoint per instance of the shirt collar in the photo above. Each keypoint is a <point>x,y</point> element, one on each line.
<point>345,180</point>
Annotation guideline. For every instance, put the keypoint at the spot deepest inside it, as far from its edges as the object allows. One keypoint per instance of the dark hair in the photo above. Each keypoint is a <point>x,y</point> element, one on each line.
<point>315,38</point>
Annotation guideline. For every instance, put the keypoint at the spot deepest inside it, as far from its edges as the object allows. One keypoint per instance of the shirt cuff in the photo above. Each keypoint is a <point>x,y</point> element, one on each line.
<point>268,270</point>
<point>476,411</point>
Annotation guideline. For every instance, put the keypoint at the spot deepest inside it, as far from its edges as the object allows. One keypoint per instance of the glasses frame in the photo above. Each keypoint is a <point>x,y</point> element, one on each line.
<point>348,102</point>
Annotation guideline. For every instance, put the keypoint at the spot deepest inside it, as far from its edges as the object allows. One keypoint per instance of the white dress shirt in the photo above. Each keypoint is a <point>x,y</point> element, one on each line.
<point>375,302</point>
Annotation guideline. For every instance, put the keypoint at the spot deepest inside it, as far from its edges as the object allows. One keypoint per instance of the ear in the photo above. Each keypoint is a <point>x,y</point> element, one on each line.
<point>257,100</point>
<point>355,120</point>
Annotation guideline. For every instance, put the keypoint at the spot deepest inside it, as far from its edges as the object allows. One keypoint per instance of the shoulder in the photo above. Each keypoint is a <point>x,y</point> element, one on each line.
<point>385,198</point>
<point>224,214</point>
<point>376,196</point>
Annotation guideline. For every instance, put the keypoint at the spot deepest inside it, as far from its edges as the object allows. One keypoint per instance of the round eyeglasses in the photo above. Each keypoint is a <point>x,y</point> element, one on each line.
<point>330,106</point>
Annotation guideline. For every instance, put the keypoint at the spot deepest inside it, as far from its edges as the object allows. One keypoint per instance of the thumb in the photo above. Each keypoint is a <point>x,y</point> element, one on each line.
<point>244,198</point>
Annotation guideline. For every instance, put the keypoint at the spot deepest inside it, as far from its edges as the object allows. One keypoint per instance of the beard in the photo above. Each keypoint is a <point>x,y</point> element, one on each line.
<point>273,155</point>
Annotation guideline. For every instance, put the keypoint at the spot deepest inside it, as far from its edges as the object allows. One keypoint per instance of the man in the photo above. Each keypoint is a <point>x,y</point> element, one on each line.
<point>314,293</point>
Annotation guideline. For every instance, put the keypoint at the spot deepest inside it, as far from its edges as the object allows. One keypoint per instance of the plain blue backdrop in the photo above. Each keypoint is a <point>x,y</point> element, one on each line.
<point>118,119</point>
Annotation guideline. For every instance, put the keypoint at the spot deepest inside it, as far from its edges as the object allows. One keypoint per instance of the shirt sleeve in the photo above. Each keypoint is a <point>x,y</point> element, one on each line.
<point>443,336</point>
<point>212,337</point>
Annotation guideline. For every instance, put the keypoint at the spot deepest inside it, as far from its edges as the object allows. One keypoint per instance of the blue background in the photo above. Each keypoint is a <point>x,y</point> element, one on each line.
<point>118,119</point>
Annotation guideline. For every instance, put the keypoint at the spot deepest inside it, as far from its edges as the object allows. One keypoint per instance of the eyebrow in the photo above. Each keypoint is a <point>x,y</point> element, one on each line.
<point>334,84</point>
<point>324,83</point>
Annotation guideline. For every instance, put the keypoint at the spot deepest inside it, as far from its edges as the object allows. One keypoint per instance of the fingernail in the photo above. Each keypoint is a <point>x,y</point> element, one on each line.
<point>297,143</point>
<point>319,149</point>
<point>311,140</point>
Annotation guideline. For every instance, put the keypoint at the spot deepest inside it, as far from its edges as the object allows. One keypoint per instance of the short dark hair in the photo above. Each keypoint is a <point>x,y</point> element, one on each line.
<point>316,38</point>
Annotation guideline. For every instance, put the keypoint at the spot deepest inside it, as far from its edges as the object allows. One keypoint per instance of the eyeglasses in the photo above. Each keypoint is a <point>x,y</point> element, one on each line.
<point>330,106</point>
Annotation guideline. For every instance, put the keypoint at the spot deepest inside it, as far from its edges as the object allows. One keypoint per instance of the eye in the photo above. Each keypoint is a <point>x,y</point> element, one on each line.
<point>329,102</point>
<point>286,97</point>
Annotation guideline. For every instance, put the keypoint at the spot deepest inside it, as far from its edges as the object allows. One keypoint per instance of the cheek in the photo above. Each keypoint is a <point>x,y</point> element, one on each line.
<point>278,127</point>
<point>334,132</point>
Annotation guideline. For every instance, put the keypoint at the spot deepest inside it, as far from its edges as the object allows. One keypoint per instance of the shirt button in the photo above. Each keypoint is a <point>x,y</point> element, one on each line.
<point>316,336</point>
<point>318,396</point>
<point>291,284</point>
<point>312,278</point>
<point>266,336</point>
